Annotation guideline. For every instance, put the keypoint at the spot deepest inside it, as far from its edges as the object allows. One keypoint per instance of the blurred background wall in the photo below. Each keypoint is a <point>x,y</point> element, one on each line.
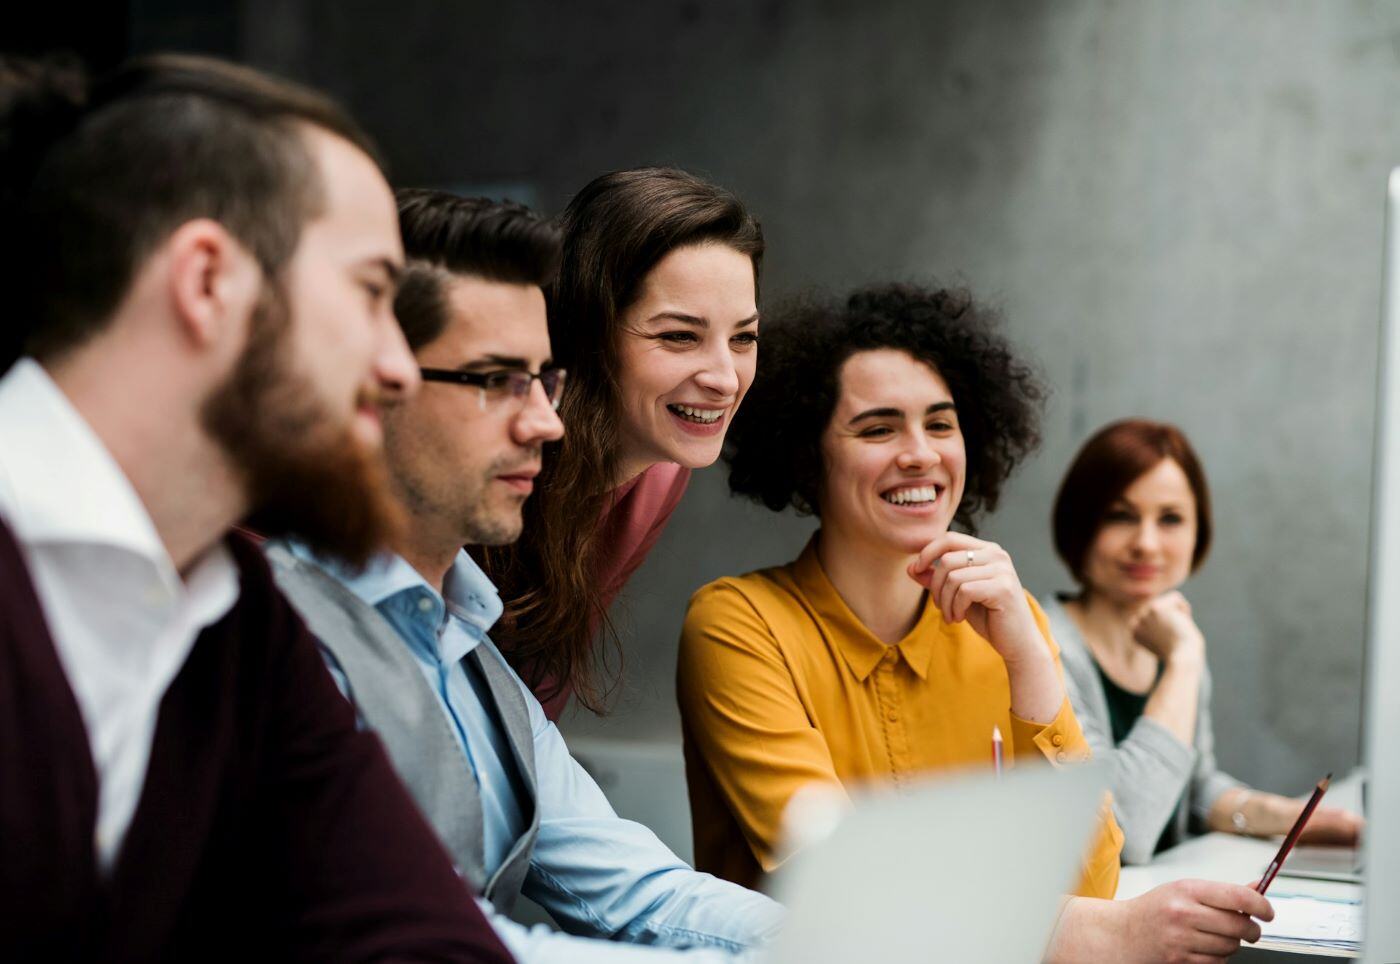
<point>1176,205</point>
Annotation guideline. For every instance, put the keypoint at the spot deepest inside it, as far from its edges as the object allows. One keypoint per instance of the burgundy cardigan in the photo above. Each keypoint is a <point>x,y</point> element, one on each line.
<point>268,828</point>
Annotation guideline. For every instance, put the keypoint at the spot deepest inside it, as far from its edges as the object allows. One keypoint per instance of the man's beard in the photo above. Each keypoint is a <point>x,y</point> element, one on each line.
<point>305,475</point>
<point>451,502</point>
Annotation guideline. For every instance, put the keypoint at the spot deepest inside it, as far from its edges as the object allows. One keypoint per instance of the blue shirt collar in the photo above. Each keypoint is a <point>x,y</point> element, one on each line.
<point>471,596</point>
<point>399,591</point>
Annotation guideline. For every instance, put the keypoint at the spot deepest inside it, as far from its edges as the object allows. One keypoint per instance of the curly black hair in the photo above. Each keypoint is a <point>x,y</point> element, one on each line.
<point>774,445</point>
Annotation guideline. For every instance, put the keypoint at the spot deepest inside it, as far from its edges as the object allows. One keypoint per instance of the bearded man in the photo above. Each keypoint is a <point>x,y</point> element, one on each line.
<point>204,262</point>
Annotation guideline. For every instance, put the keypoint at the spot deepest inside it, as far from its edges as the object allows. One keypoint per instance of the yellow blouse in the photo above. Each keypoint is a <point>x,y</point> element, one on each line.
<point>780,685</point>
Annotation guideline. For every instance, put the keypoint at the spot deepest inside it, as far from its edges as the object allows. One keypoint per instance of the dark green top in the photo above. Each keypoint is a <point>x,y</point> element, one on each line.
<point>1124,708</point>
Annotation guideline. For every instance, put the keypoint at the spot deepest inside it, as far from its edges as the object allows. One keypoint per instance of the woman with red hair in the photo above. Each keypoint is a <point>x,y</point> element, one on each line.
<point>1132,521</point>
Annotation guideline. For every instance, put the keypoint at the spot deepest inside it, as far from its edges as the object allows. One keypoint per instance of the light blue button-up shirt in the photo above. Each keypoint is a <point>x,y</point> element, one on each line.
<point>439,631</point>
<point>597,874</point>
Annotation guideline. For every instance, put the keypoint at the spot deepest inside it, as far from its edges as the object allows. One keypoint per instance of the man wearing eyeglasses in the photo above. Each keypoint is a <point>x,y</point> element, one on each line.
<point>407,638</point>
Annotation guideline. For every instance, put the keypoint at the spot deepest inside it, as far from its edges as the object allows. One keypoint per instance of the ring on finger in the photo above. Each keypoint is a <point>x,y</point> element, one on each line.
<point>971,558</point>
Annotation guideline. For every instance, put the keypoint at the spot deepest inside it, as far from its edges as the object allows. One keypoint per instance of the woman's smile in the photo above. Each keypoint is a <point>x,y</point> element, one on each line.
<point>700,420</point>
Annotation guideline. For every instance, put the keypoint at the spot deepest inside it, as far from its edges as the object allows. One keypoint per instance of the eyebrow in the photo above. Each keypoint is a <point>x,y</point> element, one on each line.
<point>392,269</point>
<point>697,320</point>
<point>899,413</point>
<point>494,362</point>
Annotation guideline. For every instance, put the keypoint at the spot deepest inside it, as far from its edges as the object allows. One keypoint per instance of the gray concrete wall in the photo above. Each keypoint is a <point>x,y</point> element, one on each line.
<point>1177,205</point>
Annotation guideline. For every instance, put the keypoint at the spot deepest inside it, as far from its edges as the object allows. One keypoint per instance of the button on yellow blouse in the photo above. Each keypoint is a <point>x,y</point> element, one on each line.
<point>780,685</point>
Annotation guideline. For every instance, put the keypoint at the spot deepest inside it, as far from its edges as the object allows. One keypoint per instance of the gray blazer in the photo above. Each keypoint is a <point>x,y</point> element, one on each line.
<point>391,696</point>
<point>1156,779</point>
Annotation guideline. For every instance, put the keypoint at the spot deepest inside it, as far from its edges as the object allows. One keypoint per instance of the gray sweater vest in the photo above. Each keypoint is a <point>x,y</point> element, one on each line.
<point>392,697</point>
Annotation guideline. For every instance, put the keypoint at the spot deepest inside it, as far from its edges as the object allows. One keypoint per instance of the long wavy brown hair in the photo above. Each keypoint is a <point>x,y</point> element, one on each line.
<point>615,231</point>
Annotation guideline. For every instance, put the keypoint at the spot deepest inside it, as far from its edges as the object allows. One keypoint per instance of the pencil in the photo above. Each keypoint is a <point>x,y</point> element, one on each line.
<point>1277,863</point>
<point>996,748</point>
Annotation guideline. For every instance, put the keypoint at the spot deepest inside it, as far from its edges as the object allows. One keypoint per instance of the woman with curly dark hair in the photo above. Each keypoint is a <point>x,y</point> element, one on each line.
<point>894,645</point>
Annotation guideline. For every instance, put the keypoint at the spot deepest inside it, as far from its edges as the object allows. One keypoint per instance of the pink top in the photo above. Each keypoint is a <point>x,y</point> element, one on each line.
<point>630,526</point>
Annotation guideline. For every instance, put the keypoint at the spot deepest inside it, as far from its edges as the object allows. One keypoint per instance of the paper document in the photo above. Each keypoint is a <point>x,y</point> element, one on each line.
<point>1314,922</point>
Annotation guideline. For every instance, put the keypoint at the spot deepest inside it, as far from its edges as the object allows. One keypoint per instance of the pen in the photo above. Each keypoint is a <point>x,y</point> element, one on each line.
<point>1293,834</point>
<point>996,748</point>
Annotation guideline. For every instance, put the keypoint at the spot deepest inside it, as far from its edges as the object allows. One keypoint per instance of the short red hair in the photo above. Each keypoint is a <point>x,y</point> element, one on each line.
<point>1114,458</point>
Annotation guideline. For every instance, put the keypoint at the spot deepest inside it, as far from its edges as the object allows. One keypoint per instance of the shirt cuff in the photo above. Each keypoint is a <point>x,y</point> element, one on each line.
<point>1060,741</point>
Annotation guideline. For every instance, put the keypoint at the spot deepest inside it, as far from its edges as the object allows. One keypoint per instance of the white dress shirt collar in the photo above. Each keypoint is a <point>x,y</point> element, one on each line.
<point>58,482</point>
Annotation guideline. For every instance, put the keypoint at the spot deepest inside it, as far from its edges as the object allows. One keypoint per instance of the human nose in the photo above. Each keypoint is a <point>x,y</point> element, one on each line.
<point>395,368</point>
<point>538,421</point>
<point>719,376</point>
<point>1147,537</point>
<point>917,453</point>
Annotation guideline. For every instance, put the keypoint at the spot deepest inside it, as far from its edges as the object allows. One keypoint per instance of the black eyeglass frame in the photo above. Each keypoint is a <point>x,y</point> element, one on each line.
<point>518,380</point>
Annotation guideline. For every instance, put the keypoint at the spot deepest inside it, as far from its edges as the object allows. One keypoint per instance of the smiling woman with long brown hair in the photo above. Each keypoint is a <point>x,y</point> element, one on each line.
<point>655,317</point>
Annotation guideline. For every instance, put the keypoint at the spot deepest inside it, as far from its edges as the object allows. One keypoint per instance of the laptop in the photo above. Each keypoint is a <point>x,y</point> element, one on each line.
<point>967,868</point>
<point>1343,864</point>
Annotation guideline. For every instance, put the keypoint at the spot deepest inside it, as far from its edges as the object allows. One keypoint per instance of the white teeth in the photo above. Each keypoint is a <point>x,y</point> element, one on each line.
<point>921,493</point>
<point>704,415</point>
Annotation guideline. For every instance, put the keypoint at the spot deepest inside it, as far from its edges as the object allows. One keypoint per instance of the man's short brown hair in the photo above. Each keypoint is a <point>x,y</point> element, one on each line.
<point>97,176</point>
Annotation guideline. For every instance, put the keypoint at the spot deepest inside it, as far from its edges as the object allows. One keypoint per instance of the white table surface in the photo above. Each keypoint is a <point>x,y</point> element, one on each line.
<point>1242,860</point>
